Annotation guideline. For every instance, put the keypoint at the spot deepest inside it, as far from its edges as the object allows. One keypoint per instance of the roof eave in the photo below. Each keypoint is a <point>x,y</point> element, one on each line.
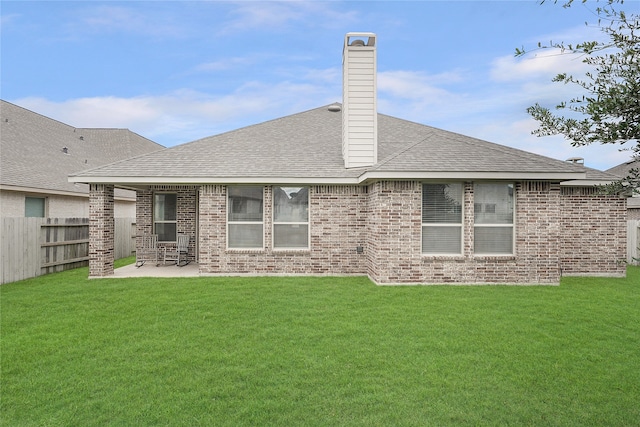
<point>473,175</point>
<point>138,181</point>
<point>364,178</point>
<point>52,192</point>
<point>585,182</point>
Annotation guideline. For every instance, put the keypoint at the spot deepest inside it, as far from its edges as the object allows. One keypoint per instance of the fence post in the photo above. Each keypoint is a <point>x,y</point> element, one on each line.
<point>633,242</point>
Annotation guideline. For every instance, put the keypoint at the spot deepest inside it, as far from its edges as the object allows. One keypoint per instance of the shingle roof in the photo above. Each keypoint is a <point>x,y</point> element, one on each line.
<point>622,171</point>
<point>33,156</point>
<point>307,146</point>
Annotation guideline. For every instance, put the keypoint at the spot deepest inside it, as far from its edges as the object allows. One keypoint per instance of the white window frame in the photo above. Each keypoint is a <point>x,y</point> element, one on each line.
<point>229,222</point>
<point>496,225</point>
<point>459,225</point>
<point>153,215</point>
<point>274,222</point>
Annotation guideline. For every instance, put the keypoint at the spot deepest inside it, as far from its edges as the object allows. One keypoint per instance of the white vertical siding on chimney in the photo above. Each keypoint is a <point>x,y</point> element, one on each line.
<point>359,115</point>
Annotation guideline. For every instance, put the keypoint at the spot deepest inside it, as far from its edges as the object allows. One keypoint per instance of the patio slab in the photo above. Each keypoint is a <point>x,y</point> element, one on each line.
<point>150,270</point>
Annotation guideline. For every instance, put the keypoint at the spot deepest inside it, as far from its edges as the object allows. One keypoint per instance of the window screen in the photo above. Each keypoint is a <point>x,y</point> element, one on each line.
<point>442,218</point>
<point>165,208</point>
<point>493,217</point>
<point>290,217</point>
<point>245,217</point>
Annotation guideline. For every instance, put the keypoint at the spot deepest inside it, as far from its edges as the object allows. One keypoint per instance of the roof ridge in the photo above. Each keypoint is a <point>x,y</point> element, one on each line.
<point>117,161</point>
<point>38,114</point>
<point>127,130</point>
<point>253,125</point>
<point>399,153</point>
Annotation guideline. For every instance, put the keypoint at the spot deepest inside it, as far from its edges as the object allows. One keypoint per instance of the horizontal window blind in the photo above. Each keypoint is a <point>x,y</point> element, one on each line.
<point>493,218</point>
<point>442,218</point>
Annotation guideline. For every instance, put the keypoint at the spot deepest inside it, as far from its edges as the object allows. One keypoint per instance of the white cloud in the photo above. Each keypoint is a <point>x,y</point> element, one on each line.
<point>277,16</point>
<point>229,63</point>
<point>418,96</point>
<point>185,115</point>
<point>8,19</point>
<point>547,63</point>
<point>121,19</point>
<point>517,134</point>
<point>496,113</point>
<point>415,84</point>
<point>331,77</point>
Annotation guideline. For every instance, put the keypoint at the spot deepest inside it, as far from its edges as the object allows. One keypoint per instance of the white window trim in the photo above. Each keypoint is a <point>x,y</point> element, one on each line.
<point>512,226</point>
<point>153,215</point>
<point>228,223</point>
<point>442,224</point>
<point>274,223</point>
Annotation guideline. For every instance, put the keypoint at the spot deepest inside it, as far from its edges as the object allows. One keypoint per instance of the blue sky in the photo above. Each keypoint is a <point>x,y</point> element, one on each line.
<point>176,71</point>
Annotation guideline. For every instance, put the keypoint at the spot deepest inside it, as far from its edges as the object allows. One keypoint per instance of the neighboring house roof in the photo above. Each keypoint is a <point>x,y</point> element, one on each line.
<point>33,150</point>
<point>621,171</point>
<point>306,148</point>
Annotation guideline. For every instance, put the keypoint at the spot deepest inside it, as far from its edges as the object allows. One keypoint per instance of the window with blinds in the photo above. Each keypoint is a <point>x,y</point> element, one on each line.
<point>442,219</point>
<point>493,218</point>
<point>245,218</point>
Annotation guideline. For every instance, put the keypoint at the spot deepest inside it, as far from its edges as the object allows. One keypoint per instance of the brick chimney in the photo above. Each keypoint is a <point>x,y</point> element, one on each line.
<point>359,110</point>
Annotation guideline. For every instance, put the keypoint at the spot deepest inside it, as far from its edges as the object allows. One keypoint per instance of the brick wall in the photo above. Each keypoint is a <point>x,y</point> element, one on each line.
<point>594,235</point>
<point>101,230</point>
<point>212,234</point>
<point>538,231</point>
<point>395,239</point>
<point>394,231</point>
<point>337,227</point>
<point>556,229</point>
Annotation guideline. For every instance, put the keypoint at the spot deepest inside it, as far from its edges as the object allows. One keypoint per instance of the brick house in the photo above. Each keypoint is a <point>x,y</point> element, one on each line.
<point>344,190</point>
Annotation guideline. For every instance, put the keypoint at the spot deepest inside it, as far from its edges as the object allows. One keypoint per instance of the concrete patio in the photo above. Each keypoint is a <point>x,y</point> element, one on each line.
<point>151,270</point>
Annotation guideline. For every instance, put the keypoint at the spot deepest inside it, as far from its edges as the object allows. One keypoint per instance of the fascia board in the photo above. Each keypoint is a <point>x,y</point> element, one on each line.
<point>465,175</point>
<point>577,177</point>
<point>585,182</point>
<point>58,192</point>
<point>137,181</point>
<point>42,191</point>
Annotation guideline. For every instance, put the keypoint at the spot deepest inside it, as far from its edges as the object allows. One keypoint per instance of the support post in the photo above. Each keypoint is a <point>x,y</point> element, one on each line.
<point>101,230</point>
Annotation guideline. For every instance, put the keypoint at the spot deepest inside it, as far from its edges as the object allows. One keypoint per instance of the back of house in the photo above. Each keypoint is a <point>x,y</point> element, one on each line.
<point>344,190</point>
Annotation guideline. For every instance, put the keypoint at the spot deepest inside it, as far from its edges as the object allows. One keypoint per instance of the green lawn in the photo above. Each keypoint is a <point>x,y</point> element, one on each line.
<point>318,351</point>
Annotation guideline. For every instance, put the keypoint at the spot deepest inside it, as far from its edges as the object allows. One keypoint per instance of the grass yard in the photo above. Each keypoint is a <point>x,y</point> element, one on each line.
<point>318,352</point>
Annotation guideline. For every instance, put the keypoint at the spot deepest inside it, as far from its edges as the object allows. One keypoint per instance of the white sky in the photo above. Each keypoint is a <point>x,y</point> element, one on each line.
<point>176,71</point>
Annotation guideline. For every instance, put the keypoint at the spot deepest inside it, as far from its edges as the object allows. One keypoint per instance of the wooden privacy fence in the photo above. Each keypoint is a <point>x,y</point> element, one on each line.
<point>35,246</point>
<point>633,242</point>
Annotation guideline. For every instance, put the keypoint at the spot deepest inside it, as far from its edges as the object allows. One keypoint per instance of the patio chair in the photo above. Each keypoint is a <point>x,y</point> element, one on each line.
<point>180,254</point>
<point>148,251</point>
